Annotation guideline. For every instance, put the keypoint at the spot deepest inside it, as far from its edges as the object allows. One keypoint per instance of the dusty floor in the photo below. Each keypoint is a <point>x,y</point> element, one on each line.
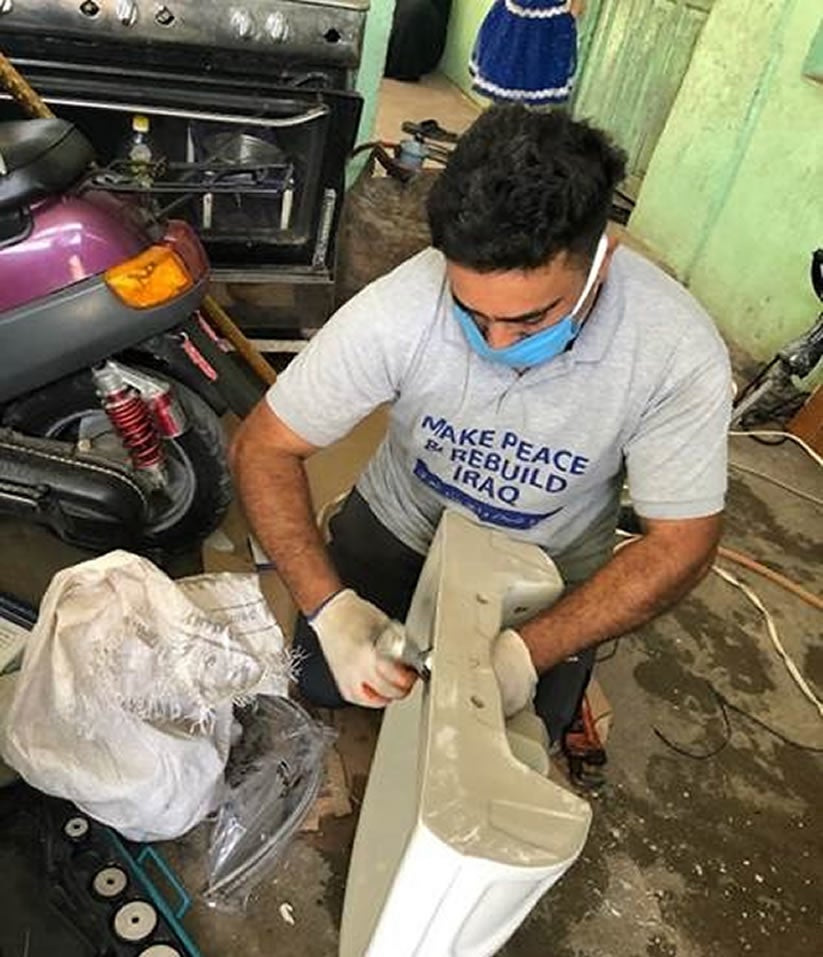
<point>687,857</point>
<point>434,97</point>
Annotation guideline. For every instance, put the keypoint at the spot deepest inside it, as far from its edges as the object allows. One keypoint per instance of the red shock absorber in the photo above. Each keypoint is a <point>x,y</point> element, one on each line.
<point>130,415</point>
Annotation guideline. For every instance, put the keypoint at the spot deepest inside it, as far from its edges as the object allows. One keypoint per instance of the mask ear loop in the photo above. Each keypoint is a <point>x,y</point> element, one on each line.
<point>597,262</point>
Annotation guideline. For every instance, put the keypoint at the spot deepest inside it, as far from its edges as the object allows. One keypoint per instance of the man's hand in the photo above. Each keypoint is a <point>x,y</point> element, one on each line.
<point>348,628</point>
<point>514,670</point>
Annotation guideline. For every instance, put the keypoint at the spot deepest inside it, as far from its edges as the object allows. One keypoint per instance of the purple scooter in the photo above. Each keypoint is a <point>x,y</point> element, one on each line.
<point>111,382</point>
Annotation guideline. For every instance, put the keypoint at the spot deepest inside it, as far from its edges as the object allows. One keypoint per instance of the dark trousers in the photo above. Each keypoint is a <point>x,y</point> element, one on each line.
<point>383,570</point>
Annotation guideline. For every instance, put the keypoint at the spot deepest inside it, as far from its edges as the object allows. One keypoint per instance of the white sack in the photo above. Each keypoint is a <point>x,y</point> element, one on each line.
<point>124,701</point>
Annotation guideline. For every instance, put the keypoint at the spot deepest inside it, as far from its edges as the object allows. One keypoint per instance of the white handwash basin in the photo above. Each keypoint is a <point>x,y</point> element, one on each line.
<point>458,839</point>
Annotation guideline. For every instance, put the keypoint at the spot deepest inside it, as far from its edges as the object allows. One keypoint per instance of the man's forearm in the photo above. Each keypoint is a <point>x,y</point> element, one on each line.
<point>642,580</point>
<point>276,499</point>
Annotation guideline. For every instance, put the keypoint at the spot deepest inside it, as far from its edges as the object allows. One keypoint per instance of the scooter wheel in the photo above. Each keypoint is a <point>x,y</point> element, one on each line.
<point>199,490</point>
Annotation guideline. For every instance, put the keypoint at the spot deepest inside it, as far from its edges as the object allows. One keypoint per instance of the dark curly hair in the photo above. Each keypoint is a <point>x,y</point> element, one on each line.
<point>522,186</point>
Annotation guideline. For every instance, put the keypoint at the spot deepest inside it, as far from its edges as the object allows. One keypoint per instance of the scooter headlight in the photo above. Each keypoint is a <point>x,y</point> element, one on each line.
<point>155,276</point>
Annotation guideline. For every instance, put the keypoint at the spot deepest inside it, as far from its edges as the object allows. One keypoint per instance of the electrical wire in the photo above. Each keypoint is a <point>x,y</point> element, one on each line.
<point>701,755</point>
<point>739,558</point>
<point>754,598</point>
<point>746,561</point>
<point>726,704</point>
<point>750,563</point>
<point>610,652</point>
<point>776,481</point>
<point>774,433</point>
<point>725,707</point>
<point>771,628</point>
<point>770,442</point>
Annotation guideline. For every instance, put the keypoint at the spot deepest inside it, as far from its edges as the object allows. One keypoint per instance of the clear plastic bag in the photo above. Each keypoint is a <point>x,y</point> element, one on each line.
<point>272,779</point>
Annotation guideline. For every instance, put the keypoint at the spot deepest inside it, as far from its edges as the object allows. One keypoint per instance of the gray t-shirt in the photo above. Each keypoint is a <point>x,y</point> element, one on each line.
<point>644,391</point>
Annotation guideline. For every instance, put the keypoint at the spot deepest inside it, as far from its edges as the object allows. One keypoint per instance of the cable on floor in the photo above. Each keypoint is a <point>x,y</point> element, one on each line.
<point>771,442</point>
<point>739,558</point>
<point>730,706</point>
<point>788,661</point>
<point>610,652</point>
<point>700,755</point>
<point>753,597</point>
<point>752,565</point>
<point>725,707</point>
<point>801,493</point>
<point>776,433</point>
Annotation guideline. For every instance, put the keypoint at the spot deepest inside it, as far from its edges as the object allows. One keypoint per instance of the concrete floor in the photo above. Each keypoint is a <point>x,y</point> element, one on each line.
<point>434,97</point>
<point>687,857</point>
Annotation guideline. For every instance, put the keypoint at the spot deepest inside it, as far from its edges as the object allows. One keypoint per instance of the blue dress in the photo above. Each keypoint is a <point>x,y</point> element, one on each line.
<point>526,51</point>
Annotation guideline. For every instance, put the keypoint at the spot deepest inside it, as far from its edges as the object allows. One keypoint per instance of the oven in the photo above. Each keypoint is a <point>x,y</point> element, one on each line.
<point>250,112</point>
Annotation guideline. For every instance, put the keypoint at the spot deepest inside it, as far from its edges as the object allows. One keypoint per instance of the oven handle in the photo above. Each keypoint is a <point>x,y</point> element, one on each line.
<point>315,113</point>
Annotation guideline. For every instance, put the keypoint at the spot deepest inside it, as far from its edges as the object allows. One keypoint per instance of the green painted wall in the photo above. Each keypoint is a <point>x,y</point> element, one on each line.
<point>813,67</point>
<point>373,62</point>
<point>369,75</point>
<point>464,22</point>
<point>732,200</point>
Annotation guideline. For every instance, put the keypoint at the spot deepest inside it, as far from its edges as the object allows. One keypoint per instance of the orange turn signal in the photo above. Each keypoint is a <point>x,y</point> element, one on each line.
<point>156,276</point>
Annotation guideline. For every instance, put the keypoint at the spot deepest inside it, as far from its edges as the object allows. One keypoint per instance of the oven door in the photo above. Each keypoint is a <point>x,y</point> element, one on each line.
<point>257,169</point>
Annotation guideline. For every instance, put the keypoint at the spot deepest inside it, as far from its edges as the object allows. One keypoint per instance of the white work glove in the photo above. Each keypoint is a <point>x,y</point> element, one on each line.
<point>348,628</point>
<point>514,670</point>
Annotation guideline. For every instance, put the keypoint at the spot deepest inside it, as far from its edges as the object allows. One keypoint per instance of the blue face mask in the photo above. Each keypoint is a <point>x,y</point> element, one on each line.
<point>538,347</point>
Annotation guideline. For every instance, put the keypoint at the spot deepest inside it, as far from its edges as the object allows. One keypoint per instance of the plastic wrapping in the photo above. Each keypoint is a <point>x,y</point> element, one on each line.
<point>272,779</point>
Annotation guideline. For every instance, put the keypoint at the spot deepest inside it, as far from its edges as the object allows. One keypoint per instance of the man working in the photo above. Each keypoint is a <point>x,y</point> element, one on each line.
<point>530,366</point>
